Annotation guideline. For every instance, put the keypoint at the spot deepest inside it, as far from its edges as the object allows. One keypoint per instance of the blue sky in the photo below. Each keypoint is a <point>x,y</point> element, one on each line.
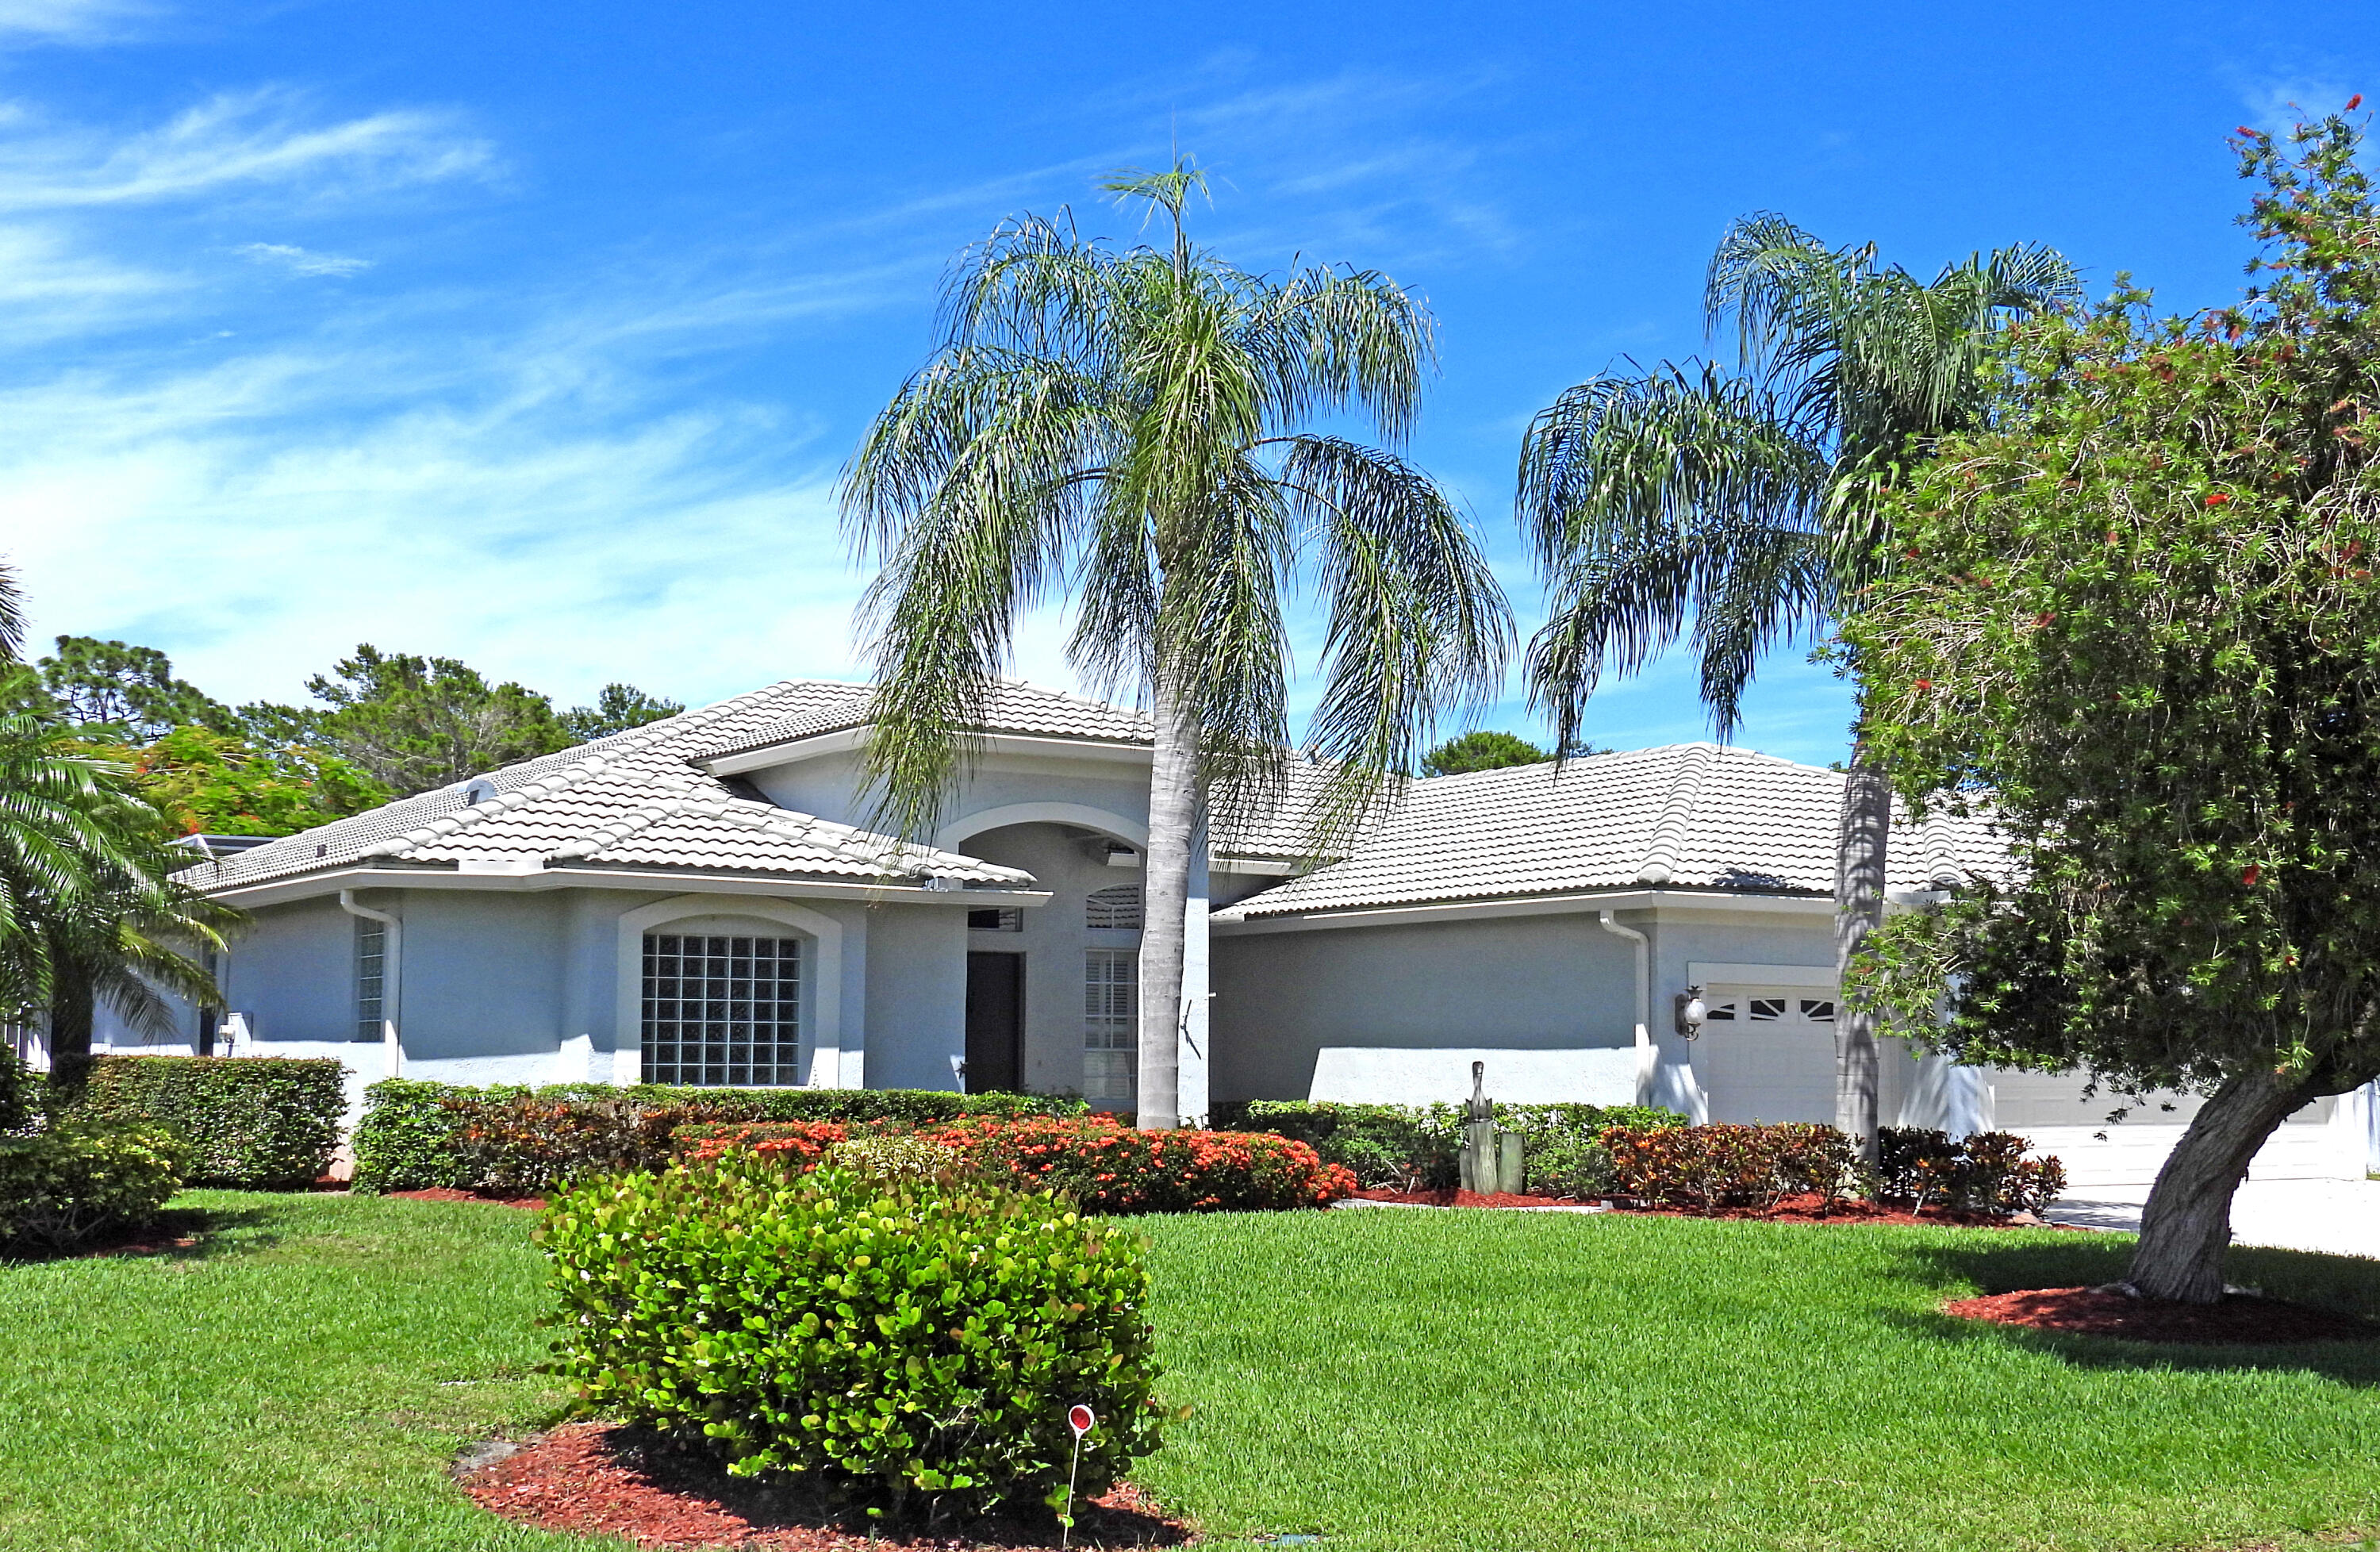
<point>534,334</point>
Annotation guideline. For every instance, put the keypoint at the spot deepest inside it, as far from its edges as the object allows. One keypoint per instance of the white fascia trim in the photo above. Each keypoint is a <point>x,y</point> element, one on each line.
<point>846,739</point>
<point>1662,901</point>
<point>1708,973</point>
<point>280,890</point>
<point>1277,868</point>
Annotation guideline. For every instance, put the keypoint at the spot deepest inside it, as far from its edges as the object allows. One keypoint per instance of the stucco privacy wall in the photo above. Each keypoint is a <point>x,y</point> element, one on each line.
<point>1520,983</point>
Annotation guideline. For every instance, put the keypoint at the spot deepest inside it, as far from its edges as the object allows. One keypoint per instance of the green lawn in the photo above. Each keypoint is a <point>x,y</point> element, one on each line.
<point>1403,1380</point>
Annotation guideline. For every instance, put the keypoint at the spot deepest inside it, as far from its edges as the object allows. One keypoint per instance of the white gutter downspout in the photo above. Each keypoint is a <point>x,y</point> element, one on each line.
<point>1644,1057</point>
<point>391,978</point>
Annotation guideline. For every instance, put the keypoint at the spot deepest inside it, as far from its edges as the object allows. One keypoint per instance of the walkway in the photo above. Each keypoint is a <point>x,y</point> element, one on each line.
<point>2339,1217</point>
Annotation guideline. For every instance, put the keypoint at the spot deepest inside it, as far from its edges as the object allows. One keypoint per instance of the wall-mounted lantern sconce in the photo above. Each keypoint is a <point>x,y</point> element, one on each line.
<point>1692,1011</point>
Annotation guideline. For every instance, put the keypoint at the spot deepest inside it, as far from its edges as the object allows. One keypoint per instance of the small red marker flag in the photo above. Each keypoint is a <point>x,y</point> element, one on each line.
<point>1079,1418</point>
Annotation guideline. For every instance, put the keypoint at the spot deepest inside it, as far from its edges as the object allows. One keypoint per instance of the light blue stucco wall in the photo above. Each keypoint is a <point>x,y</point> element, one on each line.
<point>1520,983</point>
<point>914,1009</point>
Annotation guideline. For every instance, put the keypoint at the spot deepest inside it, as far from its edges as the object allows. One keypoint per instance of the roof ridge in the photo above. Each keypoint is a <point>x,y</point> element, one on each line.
<point>1660,862</point>
<point>470,814</point>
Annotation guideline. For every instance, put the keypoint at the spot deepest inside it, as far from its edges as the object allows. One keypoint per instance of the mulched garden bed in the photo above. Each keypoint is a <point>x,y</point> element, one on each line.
<point>602,1479</point>
<point>2240,1320</point>
<point>448,1194</point>
<point>1792,1210</point>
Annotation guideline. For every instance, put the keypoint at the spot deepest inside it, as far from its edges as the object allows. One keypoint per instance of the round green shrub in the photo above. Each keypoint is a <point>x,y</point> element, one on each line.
<point>917,1343</point>
<point>62,1186</point>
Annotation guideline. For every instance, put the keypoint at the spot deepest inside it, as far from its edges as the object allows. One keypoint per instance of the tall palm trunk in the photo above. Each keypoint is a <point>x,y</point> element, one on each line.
<point>2187,1223</point>
<point>1172,817</point>
<point>70,1025</point>
<point>1865,832</point>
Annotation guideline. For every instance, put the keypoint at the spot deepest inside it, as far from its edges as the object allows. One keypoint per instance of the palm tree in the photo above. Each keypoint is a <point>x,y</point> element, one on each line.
<point>1131,425</point>
<point>1741,508</point>
<point>90,909</point>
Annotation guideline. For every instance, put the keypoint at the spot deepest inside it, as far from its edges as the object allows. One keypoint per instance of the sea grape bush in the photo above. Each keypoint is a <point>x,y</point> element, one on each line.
<point>1103,1165</point>
<point>1984,1172</point>
<point>915,1343</point>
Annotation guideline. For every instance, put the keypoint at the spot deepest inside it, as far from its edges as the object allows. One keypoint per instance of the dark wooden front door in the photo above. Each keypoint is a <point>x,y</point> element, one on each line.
<point>995,1022</point>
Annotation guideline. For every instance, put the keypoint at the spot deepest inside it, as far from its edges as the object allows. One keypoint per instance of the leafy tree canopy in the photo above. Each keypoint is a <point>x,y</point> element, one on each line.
<point>2141,619</point>
<point>116,692</point>
<point>412,724</point>
<point>213,783</point>
<point>616,709</point>
<point>1488,749</point>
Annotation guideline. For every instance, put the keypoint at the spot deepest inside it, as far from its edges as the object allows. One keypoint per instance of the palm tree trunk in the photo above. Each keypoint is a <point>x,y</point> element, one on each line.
<point>1172,817</point>
<point>2187,1223</point>
<point>1865,832</point>
<point>70,1023</point>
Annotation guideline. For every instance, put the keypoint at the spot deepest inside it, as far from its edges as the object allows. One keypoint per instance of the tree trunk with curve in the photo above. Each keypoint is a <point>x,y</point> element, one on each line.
<point>2187,1224</point>
<point>1859,853</point>
<point>1165,884</point>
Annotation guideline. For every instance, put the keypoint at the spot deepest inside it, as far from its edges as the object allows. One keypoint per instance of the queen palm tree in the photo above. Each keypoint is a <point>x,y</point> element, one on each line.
<point>90,909</point>
<point>1740,508</point>
<point>1132,425</point>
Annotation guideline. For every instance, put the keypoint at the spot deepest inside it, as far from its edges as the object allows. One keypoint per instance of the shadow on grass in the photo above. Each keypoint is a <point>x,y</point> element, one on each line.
<point>176,1234</point>
<point>1994,1264</point>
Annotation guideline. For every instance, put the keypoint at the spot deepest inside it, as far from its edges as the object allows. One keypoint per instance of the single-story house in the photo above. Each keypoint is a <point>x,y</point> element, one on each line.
<point>696,901</point>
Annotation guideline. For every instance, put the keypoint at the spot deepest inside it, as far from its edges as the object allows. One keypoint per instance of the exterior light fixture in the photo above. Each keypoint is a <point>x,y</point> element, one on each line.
<point>1692,1011</point>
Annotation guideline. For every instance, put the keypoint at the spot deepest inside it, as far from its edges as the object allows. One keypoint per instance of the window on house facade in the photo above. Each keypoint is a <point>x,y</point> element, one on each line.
<point>999,919</point>
<point>1110,1024</point>
<point>1113,909</point>
<point>723,1010</point>
<point>371,970</point>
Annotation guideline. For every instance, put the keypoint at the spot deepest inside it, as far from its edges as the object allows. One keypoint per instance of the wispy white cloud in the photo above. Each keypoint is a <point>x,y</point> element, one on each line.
<point>265,137</point>
<point>302,261</point>
<point>69,21</point>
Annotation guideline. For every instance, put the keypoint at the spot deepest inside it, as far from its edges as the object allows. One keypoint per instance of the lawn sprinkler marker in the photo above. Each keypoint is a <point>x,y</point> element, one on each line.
<point>1079,1418</point>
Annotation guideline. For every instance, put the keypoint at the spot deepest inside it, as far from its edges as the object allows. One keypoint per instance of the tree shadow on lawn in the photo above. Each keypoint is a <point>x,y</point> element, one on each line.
<point>174,1234</point>
<point>2004,1264</point>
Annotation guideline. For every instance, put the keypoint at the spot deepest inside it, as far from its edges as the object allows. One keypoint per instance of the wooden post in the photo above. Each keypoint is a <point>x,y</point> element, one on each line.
<point>1509,1176</point>
<point>1479,1163</point>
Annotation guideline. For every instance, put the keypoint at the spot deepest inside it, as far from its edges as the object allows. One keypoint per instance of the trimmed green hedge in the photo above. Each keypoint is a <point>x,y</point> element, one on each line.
<point>1412,1148</point>
<point>247,1120</point>
<point>516,1141</point>
<point>65,1185</point>
<point>915,1343</point>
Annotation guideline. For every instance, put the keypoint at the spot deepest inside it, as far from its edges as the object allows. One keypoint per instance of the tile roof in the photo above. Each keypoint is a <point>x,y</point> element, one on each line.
<point>1011,707</point>
<point>635,800</point>
<point>1686,816</point>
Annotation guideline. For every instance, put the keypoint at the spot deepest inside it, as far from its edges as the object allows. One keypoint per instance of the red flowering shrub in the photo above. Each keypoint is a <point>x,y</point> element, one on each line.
<point>1984,1172</point>
<point>1105,1167</point>
<point>1714,1167</point>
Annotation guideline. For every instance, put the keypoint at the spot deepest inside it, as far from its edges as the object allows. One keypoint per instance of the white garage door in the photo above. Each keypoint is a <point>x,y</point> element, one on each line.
<point>1768,1053</point>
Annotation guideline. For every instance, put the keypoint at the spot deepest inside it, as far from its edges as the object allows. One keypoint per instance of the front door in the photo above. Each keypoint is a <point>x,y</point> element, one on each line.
<point>995,1022</point>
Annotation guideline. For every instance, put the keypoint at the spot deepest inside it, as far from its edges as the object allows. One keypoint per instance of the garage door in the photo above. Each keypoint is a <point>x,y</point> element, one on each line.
<point>1768,1053</point>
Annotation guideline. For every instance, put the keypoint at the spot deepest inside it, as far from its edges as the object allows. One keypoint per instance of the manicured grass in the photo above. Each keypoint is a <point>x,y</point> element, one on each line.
<point>300,1383</point>
<point>1483,1380</point>
<point>1406,1380</point>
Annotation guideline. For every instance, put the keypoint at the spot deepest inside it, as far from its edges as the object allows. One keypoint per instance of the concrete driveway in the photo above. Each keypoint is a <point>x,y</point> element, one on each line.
<point>2339,1217</point>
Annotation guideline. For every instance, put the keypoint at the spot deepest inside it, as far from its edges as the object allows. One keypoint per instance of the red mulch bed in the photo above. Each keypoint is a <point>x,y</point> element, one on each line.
<point>1792,1210</point>
<point>600,1479</point>
<point>448,1194</point>
<point>1450,1198</point>
<point>2240,1320</point>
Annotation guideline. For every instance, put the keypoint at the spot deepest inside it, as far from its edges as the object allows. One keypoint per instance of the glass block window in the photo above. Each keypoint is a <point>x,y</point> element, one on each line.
<point>1113,909</point>
<point>1110,1024</point>
<point>372,972</point>
<point>722,1010</point>
<point>1003,919</point>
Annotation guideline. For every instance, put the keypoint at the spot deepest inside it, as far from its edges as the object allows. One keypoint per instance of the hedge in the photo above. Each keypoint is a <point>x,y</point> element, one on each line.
<point>247,1120</point>
<point>515,1141</point>
<point>1414,1147</point>
<point>1714,1167</point>
<point>915,1343</point>
<point>63,1187</point>
<point>1986,1172</point>
<point>1103,1166</point>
